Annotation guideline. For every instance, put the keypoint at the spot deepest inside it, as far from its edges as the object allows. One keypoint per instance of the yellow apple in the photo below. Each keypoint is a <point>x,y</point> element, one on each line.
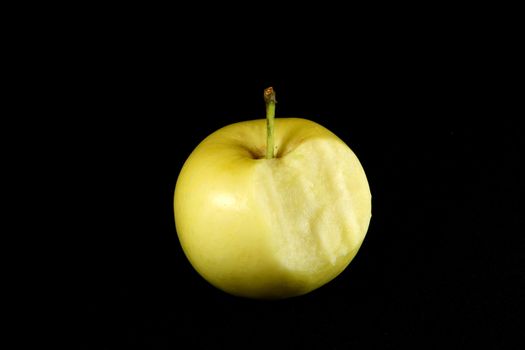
<point>271,222</point>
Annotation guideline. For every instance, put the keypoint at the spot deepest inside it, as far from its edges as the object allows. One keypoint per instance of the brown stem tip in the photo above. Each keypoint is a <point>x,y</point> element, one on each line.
<point>269,95</point>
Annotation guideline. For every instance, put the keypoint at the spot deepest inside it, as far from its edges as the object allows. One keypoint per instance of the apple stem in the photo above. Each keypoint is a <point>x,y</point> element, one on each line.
<point>269,99</point>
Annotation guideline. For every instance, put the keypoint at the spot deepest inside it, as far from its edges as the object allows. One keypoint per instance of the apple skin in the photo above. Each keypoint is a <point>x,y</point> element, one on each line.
<point>271,228</point>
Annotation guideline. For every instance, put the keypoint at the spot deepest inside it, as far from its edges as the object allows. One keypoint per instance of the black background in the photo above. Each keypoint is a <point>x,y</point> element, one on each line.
<point>428,116</point>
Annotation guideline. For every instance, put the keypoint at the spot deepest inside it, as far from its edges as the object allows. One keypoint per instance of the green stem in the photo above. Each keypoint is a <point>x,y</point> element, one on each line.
<point>269,99</point>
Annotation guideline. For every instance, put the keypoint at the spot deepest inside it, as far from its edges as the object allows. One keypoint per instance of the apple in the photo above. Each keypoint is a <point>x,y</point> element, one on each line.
<point>271,208</point>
